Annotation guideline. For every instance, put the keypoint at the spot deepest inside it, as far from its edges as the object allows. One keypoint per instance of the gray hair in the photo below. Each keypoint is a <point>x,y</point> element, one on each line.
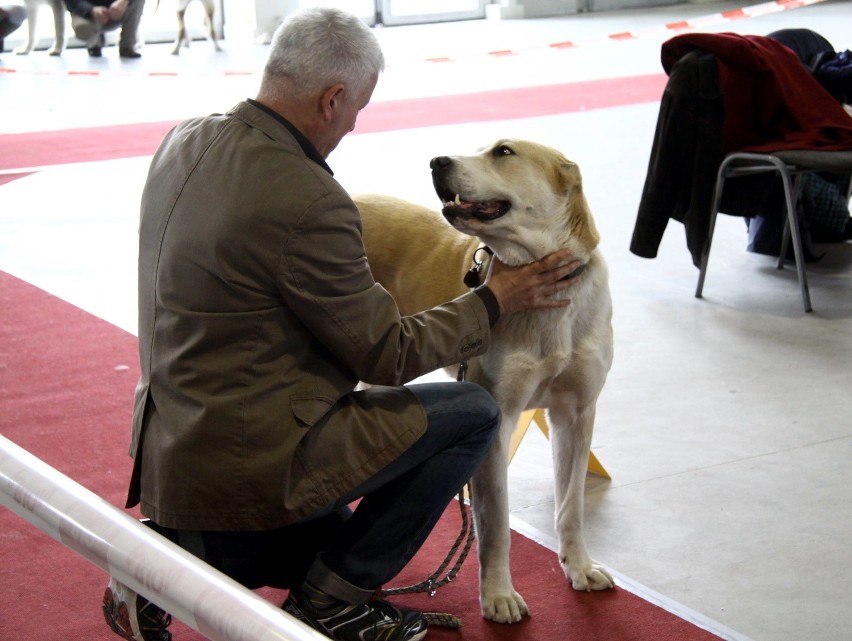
<point>316,48</point>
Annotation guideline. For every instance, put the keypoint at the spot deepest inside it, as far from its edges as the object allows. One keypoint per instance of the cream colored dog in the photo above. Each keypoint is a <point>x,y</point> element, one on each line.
<point>183,38</point>
<point>523,201</point>
<point>33,7</point>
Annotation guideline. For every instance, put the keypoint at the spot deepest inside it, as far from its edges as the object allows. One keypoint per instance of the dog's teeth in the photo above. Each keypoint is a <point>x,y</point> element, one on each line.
<point>458,200</point>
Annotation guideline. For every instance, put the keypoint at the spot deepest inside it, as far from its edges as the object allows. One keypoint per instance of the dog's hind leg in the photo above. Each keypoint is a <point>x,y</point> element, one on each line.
<point>209,10</point>
<point>490,504</point>
<point>571,437</point>
<point>182,37</point>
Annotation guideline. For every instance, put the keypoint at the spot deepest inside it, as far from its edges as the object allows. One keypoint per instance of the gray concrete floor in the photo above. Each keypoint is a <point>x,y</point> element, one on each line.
<point>725,421</point>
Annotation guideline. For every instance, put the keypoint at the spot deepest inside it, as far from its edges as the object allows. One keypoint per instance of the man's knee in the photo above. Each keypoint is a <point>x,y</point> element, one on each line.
<point>85,30</point>
<point>480,400</point>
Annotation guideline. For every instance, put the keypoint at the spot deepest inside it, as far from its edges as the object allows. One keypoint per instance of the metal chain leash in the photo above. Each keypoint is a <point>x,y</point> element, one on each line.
<point>467,534</point>
<point>433,582</point>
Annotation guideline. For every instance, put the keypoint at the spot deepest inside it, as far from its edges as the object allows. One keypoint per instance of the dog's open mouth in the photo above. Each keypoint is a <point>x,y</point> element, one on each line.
<point>454,205</point>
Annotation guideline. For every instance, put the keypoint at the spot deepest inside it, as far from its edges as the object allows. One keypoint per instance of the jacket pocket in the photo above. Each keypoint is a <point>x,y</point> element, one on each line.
<point>308,410</point>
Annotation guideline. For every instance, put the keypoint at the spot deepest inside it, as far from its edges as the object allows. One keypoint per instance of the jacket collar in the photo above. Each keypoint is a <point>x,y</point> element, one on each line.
<point>306,145</point>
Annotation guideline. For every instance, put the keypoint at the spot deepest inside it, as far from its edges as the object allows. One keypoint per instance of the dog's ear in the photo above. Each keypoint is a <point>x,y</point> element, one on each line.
<point>569,176</point>
<point>582,223</point>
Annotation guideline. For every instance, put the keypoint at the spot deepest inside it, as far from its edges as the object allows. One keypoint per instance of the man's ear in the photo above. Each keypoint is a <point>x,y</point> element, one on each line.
<point>331,99</point>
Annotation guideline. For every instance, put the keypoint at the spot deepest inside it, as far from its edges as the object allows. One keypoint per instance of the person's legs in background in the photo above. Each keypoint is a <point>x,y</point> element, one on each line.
<point>12,16</point>
<point>89,32</point>
<point>127,40</point>
<point>92,32</point>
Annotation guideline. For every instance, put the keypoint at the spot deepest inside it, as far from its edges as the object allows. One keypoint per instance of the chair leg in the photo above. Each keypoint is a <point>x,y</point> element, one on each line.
<point>717,199</point>
<point>791,229</point>
<point>785,243</point>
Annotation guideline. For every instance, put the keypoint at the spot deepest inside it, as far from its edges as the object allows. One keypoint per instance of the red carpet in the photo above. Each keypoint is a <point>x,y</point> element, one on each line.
<point>126,141</point>
<point>66,388</point>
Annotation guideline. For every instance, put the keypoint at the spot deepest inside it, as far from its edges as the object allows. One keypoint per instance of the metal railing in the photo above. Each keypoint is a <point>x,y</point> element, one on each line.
<point>186,587</point>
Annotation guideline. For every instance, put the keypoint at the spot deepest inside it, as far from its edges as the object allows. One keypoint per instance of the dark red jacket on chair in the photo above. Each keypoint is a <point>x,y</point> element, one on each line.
<point>772,102</point>
<point>735,93</point>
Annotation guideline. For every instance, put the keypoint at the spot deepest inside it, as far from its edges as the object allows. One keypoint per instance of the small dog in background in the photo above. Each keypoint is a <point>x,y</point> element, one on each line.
<point>33,7</point>
<point>183,38</point>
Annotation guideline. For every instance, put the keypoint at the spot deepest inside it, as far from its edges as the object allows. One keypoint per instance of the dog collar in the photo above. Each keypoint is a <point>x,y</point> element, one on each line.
<point>471,278</point>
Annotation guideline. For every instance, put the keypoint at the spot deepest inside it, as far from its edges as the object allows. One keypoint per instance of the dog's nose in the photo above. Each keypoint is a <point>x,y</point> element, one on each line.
<point>440,162</point>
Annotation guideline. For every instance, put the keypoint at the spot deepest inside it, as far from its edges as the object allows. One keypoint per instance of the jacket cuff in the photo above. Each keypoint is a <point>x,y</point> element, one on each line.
<point>490,301</point>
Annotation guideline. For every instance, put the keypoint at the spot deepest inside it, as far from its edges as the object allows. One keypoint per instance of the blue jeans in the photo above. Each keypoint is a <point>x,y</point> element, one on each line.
<point>351,554</point>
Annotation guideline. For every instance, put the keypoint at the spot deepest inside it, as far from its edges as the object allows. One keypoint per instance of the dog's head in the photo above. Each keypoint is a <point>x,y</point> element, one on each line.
<point>522,199</point>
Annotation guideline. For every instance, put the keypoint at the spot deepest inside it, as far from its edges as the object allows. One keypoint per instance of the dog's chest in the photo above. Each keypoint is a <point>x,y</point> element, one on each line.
<point>537,344</point>
<point>536,357</point>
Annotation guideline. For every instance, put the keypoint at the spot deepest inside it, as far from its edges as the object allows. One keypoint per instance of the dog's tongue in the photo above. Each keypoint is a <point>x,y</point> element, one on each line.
<point>488,208</point>
<point>483,208</point>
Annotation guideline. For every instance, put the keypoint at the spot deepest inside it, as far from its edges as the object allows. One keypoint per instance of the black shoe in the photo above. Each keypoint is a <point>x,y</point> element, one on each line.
<point>95,49</point>
<point>373,621</point>
<point>132,616</point>
<point>129,53</point>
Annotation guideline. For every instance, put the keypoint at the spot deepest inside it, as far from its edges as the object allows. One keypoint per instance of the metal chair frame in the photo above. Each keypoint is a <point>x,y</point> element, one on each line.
<point>790,166</point>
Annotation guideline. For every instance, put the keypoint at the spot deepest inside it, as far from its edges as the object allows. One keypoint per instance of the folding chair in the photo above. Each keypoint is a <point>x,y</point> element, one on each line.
<point>790,166</point>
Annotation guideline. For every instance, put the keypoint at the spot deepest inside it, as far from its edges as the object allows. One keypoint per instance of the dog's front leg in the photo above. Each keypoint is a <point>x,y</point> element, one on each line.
<point>32,7</point>
<point>490,501</point>
<point>571,437</point>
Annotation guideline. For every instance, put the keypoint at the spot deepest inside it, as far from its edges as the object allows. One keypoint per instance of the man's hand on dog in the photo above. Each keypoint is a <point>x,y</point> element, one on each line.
<point>532,286</point>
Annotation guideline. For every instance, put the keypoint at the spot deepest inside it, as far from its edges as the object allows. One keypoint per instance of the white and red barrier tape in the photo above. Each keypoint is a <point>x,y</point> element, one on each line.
<point>704,21</point>
<point>733,15</point>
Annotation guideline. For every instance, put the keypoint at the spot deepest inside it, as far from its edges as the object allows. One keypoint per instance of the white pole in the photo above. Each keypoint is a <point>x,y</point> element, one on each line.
<point>186,587</point>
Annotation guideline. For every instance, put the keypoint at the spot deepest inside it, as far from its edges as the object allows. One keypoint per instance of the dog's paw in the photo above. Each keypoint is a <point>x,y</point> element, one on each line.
<point>592,576</point>
<point>504,608</point>
<point>21,51</point>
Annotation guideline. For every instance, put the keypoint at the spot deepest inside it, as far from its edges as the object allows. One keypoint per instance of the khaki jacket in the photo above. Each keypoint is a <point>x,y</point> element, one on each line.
<point>258,315</point>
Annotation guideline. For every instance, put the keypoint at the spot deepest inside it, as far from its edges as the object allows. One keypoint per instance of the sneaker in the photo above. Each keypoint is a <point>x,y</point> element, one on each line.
<point>133,617</point>
<point>129,53</point>
<point>373,621</point>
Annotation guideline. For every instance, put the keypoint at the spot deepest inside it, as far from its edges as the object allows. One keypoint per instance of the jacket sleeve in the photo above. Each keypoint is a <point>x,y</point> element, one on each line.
<point>325,279</point>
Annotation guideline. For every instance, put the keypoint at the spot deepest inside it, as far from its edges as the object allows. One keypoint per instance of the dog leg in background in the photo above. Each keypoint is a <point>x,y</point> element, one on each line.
<point>58,8</point>
<point>183,38</point>
<point>211,30</point>
<point>33,7</point>
<point>571,439</point>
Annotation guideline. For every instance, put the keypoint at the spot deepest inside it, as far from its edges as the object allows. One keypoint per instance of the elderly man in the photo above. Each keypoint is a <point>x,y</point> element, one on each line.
<point>258,316</point>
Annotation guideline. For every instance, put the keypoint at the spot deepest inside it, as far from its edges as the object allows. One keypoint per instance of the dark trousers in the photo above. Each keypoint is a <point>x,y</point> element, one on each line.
<point>350,554</point>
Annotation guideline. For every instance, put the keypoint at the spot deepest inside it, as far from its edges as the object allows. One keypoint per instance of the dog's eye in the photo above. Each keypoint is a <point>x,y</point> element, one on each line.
<point>503,150</point>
